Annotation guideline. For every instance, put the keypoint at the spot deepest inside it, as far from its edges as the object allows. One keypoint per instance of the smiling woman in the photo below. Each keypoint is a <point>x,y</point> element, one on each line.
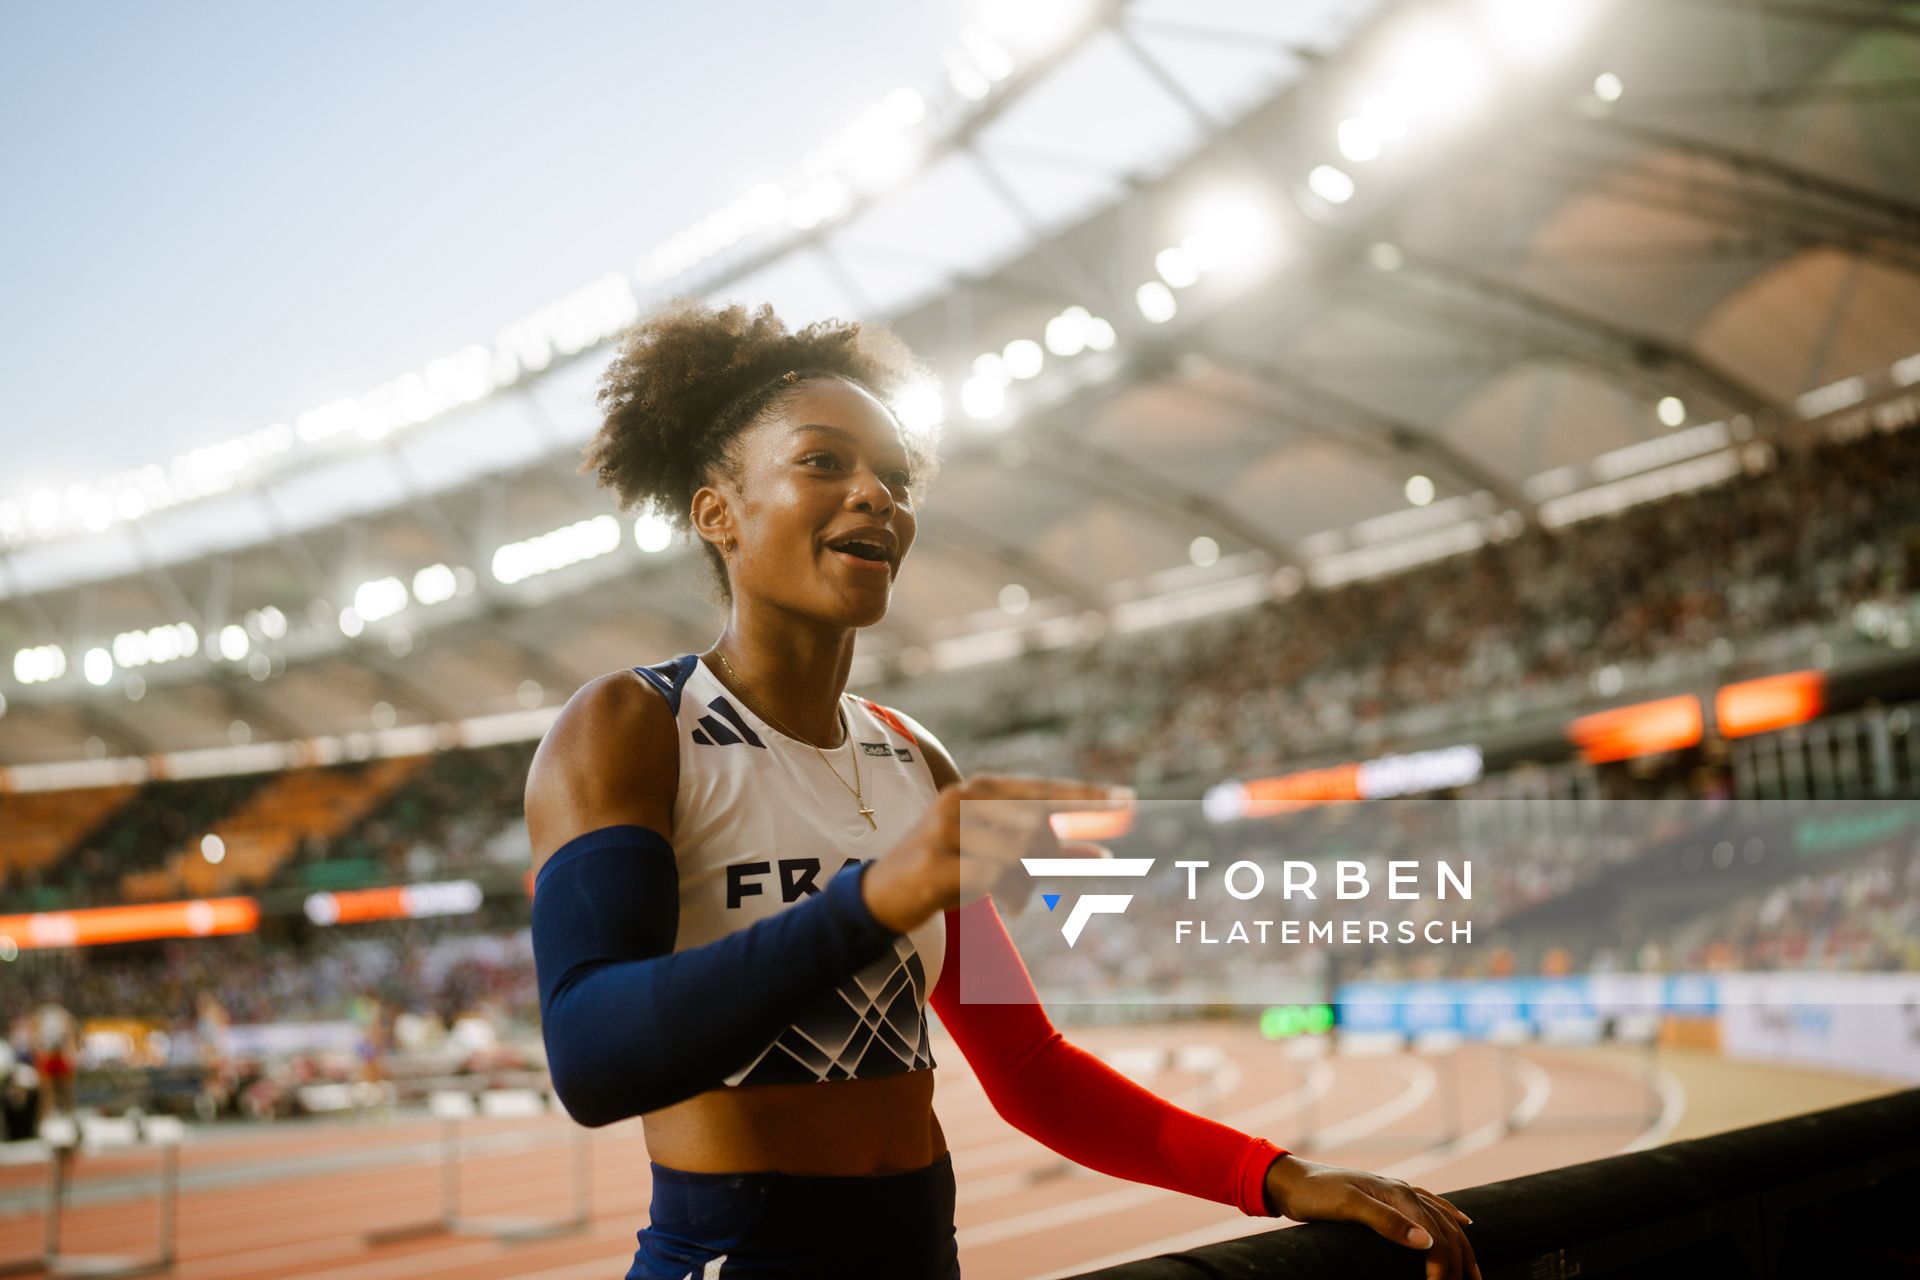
<point>750,888</point>
<point>688,379</point>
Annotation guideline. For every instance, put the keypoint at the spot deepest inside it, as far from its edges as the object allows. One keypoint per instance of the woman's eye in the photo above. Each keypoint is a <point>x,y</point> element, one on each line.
<point>820,457</point>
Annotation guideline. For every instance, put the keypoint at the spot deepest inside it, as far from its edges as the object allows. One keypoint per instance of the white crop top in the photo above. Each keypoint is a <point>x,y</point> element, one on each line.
<point>760,823</point>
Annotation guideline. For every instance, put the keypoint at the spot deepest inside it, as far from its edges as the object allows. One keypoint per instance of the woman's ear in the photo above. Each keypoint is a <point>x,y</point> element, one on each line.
<point>711,516</point>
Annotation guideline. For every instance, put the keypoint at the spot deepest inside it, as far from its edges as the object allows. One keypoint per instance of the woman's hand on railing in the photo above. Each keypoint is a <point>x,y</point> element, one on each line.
<point>1407,1215</point>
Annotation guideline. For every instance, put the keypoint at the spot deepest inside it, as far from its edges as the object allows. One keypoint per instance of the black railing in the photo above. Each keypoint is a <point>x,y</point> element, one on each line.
<point>1832,1194</point>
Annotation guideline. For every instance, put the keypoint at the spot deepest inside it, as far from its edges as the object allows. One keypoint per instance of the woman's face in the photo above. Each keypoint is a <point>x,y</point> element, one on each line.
<point>822,467</point>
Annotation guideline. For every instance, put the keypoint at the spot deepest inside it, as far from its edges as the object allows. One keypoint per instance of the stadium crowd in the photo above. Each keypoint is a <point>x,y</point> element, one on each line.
<point>1804,544</point>
<point>1800,546</point>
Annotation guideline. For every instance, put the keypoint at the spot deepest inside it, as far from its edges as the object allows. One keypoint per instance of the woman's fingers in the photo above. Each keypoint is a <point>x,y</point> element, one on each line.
<point>1446,1204</point>
<point>1451,1243</point>
<point>1388,1221</point>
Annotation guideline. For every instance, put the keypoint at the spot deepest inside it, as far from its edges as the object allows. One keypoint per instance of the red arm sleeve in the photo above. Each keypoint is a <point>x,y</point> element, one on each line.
<point>1070,1100</point>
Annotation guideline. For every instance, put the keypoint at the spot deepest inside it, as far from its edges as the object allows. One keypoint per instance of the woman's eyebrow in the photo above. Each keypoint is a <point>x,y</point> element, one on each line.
<point>839,432</point>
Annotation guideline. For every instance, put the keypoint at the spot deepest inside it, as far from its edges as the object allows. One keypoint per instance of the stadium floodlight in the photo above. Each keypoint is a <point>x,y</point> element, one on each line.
<point>823,199</point>
<point>213,848</point>
<point>380,598</point>
<point>234,642</point>
<point>155,645</point>
<point>1176,267</point>
<point>568,545</point>
<point>1014,599</point>
<point>983,397</point>
<point>39,664</point>
<point>351,624</point>
<point>530,694</point>
<point>1419,490</point>
<point>920,407</point>
<point>273,623</point>
<point>1534,32</point>
<point>98,666</point>
<point>1335,186</point>
<point>966,79</point>
<point>1229,230</point>
<point>1156,302</point>
<point>1203,551</point>
<point>434,584</point>
<point>651,533</point>
<point>993,367</point>
<point>988,55</point>
<point>43,510</point>
<point>887,161</point>
<point>1031,27</point>
<point>1672,411</point>
<point>1067,332</point>
<point>766,204</point>
<point>1437,72</point>
<point>1386,256</point>
<point>1359,139</point>
<point>1023,358</point>
<point>1608,87</point>
<point>1100,335</point>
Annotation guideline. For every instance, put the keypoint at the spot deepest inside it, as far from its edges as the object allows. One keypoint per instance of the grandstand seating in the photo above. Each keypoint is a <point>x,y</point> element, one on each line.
<point>1665,592</point>
<point>443,819</point>
<point>263,833</point>
<point>1170,708</point>
<point>37,827</point>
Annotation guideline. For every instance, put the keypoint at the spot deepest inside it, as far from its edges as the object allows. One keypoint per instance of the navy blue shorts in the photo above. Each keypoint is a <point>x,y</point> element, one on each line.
<point>718,1226</point>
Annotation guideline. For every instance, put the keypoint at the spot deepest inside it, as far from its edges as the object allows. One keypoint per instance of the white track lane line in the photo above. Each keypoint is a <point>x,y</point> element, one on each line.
<point>1673,1105</point>
<point>1538,1089</point>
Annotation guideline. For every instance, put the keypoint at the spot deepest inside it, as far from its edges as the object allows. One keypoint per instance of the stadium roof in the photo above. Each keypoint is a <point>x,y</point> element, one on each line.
<point>1227,298</point>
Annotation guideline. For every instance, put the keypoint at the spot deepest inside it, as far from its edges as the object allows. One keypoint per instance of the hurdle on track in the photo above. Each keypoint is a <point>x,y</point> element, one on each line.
<point>1636,1030</point>
<point>1441,1049</point>
<point>453,1107</point>
<point>65,1139</point>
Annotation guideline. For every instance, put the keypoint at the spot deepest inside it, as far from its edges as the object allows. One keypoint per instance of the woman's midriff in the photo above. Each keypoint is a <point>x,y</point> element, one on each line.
<point>829,1129</point>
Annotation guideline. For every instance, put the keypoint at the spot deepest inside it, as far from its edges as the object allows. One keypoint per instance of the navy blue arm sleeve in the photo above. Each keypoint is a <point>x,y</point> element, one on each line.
<point>630,1024</point>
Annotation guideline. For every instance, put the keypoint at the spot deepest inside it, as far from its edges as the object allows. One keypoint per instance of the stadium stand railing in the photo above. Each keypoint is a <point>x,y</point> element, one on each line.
<point>1826,1193</point>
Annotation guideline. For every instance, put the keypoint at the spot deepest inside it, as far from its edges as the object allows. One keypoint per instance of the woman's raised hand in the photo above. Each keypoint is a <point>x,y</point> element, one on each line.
<point>970,841</point>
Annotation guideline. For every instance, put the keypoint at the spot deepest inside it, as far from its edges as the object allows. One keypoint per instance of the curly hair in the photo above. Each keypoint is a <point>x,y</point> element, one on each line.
<point>689,378</point>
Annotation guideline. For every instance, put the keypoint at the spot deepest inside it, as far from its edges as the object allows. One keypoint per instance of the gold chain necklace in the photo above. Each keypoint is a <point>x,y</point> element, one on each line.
<point>866,811</point>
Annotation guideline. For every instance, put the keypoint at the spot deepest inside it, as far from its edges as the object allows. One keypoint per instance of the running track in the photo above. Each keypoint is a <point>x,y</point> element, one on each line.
<point>294,1199</point>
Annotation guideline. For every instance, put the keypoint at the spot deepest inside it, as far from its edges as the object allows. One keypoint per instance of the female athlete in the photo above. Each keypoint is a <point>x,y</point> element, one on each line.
<point>750,883</point>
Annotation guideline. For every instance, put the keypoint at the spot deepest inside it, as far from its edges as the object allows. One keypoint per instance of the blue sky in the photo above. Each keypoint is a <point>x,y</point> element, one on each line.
<point>216,215</point>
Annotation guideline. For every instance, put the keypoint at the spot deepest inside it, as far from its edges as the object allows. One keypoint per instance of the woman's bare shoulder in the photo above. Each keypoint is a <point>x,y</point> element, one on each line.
<point>611,757</point>
<point>939,760</point>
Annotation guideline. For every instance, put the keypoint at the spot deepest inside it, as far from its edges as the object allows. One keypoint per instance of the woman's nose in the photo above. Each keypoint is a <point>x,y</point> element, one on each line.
<point>865,490</point>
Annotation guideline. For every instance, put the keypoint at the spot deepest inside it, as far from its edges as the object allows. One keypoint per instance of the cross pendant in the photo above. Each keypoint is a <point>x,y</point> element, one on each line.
<point>867,813</point>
